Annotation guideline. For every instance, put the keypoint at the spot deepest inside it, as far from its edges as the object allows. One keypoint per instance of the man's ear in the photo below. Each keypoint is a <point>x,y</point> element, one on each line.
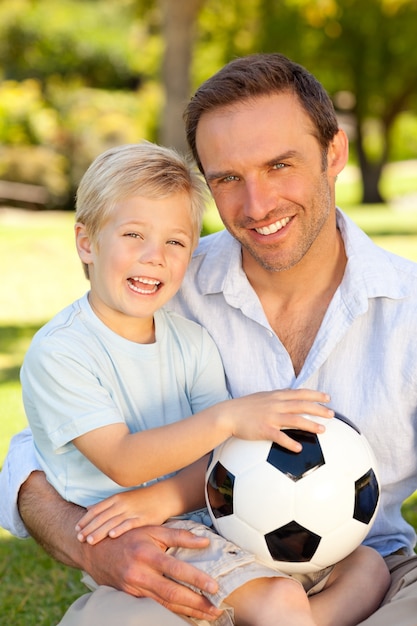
<point>83,243</point>
<point>338,153</point>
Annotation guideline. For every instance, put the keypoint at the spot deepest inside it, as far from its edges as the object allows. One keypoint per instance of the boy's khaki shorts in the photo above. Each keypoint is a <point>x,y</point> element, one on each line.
<point>232,567</point>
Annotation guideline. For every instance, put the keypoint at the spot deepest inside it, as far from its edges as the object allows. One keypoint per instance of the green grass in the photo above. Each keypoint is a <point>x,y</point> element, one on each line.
<point>40,275</point>
<point>34,590</point>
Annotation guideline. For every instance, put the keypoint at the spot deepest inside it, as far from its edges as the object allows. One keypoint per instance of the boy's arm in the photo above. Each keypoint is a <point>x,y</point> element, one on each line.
<point>151,505</point>
<point>156,452</point>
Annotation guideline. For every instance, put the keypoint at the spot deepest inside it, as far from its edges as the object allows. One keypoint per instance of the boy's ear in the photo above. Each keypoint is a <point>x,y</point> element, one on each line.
<point>338,153</point>
<point>83,243</point>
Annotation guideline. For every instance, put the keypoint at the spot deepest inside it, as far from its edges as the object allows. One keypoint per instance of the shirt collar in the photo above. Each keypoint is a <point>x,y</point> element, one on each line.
<point>221,263</point>
<point>371,271</point>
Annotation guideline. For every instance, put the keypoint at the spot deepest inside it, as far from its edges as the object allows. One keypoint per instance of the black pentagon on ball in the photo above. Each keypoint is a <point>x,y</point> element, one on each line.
<point>296,465</point>
<point>292,543</point>
<point>220,490</point>
<point>366,497</point>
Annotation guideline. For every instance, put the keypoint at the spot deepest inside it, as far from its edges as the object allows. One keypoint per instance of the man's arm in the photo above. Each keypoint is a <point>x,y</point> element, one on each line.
<point>136,562</point>
<point>49,519</point>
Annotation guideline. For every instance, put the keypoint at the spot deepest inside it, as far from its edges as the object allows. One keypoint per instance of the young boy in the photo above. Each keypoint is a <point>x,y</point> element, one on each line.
<point>121,393</point>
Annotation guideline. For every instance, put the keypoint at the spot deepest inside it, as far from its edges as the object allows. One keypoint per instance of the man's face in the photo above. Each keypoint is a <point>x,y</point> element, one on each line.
<point>264,166</point>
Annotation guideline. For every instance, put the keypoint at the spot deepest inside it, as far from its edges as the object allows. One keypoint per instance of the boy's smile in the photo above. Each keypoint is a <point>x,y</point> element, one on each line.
<point>144,285</point>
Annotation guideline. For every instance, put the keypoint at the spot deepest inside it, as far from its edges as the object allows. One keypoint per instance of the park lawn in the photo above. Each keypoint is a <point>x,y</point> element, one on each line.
<point>40,275</point>
<point>34,589</point>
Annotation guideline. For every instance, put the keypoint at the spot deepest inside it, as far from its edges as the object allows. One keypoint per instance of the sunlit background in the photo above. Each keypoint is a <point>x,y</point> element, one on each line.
<point>79,76</point>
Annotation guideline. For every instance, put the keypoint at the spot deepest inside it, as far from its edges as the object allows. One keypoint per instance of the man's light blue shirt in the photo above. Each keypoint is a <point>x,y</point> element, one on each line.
<point>364,355</point>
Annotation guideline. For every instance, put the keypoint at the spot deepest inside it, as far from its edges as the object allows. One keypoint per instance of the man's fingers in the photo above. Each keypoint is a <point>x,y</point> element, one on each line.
<point>180,599</point>
<point>188,574</point>
<point>171,589</point>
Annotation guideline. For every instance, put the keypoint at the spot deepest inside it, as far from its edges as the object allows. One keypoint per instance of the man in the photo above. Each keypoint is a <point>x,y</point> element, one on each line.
<point>295,295</point>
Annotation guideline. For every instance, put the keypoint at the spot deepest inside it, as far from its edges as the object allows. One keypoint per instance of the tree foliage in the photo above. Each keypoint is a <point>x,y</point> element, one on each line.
<point>87,40</point>
<point>363,52</point>
<point>369,52</point>
<point>73,84</point>
<point>95,72</point>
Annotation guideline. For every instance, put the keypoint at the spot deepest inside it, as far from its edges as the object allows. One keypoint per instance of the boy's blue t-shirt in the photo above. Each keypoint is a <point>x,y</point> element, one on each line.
<point>78,375</point>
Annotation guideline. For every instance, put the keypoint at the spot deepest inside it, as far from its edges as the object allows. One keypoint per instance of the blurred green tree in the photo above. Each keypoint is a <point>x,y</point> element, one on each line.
<point>89,41</point>
<point>115,72</point>
<point>363,52</point>
<point>366,54</point>
<point>73,84</point>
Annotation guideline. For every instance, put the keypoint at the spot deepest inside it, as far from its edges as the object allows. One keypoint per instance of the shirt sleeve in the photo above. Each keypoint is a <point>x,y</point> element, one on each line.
<point>20,462</point>
<point>66,392</point>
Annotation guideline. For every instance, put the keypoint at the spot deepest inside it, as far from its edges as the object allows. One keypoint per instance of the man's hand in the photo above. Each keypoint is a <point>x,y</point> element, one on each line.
<point>136,562</point>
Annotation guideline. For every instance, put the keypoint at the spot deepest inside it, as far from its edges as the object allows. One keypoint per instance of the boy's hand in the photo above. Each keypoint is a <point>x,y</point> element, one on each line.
<point>121,512</point>
<point>266,415</point>
<point>146,506</point>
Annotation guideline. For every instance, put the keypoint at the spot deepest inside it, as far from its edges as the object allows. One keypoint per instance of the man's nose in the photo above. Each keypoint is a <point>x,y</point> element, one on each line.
<point>260,199</point>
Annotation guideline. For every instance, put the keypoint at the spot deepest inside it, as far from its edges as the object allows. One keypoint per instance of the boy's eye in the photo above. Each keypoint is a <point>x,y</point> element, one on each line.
<point>175,242</point>
<point>134,235</point>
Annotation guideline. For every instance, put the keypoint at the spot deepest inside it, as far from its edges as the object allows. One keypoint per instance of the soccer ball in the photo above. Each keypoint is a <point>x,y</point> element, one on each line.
<point>299,512</point>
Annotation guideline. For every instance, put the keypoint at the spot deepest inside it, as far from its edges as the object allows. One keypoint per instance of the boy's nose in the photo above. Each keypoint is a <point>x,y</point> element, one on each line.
<point>152,253</point>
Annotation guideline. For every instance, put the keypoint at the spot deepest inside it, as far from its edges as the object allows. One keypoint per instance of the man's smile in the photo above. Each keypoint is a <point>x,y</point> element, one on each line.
<point>273,228</point>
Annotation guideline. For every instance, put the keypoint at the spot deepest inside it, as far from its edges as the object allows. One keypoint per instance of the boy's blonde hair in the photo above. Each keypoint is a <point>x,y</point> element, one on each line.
<point>144,169</point>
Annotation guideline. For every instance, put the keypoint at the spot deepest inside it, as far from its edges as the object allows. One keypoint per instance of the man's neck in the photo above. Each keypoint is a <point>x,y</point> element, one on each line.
<point>295,300</point>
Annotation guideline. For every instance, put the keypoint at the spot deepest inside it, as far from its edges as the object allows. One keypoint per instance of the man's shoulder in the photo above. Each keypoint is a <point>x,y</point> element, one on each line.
<point>213,255</point>
<point>401,263</point>
<point>216,241</point>
<point>373,260</point>
<point>405,273</point>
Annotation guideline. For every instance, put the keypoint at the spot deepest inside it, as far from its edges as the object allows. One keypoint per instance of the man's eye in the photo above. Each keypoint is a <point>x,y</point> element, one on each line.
<point>230,178</point>
<point>278,166</point>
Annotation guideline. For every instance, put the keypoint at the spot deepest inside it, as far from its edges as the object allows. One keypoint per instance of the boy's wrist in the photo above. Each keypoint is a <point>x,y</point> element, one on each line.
<point>170,497</point>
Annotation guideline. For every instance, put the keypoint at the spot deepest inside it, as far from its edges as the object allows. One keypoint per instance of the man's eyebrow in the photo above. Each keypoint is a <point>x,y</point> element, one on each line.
<point>210,176</point>
<point>289,154</point>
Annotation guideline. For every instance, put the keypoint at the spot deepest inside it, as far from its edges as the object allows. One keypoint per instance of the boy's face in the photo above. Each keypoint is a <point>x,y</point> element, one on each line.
<point>138,262</point>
